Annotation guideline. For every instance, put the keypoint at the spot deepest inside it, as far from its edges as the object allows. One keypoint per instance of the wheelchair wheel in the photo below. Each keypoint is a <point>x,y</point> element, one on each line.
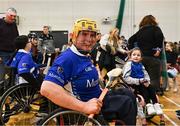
<point>20,103</point>
<point>69,117</point>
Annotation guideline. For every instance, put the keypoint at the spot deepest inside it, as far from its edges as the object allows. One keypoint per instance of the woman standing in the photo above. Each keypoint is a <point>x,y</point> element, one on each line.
<point>111,46</point>
<point>149,39</point>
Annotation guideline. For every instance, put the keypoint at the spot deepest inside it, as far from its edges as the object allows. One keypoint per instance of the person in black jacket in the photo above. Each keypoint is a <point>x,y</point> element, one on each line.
<point>8,33</point>
<point>46,45</point>
<point>149,39</point>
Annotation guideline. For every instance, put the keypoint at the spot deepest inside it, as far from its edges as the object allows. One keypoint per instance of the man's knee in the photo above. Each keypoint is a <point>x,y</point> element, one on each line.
<point>119,107</point>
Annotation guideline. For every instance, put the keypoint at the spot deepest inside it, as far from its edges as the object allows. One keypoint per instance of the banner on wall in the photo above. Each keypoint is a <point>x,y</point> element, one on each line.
<point>120,15</point>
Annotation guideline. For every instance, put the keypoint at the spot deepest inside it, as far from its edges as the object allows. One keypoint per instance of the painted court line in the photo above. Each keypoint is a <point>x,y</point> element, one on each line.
<point>170,120</point>
<point>169,110</point>
<point>178,105</point>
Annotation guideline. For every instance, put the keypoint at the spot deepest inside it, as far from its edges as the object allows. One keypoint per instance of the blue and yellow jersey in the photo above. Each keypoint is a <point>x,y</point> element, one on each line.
<point>71,66</point>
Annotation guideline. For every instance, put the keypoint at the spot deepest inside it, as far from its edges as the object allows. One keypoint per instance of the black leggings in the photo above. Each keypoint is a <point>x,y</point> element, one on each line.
<point>153,67</point>
<point>148,93</point>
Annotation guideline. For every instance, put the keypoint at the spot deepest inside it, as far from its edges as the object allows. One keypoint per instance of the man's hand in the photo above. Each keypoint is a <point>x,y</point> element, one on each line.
<point>57,50</point>
<point>144,82</point>
<point>92,106</point>
<point>157,53</point>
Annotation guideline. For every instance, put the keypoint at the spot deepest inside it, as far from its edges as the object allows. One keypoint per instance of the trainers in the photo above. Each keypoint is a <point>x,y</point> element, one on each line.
<point>178,114</point>
<point>38,118</point>
<point>167,89</point>
<point>150,109</point>
<point>140,112</point>
<point>175,90</point>
<point>41,114</point>
<point>158,109</point>
<point>162,123</point>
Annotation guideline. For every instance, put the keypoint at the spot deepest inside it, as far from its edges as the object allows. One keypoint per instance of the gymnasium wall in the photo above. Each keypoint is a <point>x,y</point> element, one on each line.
<point>60,14</point>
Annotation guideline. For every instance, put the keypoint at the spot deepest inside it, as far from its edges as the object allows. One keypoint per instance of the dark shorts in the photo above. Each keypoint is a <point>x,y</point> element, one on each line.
<point>120,105</point>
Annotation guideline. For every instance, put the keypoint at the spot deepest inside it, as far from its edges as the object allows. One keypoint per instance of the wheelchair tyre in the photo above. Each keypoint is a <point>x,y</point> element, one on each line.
<point>19,100</point>
<point>70,117</point>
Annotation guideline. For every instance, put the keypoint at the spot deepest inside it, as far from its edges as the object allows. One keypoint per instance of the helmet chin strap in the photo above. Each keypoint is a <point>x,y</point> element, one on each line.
<point>83,51</point>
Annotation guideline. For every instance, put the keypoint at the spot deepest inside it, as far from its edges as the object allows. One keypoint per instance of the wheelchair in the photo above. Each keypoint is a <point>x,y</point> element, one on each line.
<point>6,79</point>
<point>64,117</point>
<point>21,102</point>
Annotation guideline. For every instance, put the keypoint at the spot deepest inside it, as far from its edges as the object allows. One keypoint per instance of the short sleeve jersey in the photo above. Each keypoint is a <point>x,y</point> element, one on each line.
<point>77,69</point>
<point>24,63</point>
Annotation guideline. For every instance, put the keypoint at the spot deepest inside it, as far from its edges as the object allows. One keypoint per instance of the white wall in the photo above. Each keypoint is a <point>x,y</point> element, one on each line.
<point>60,14</point>
<point>178,26</point>
<point>166,13</point>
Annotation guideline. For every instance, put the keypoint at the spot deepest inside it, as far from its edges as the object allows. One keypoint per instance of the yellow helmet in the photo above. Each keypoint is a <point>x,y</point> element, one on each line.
<point>83,24</point>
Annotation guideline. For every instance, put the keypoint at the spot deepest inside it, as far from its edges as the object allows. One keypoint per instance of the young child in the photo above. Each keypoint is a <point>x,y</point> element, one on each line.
<point>136,76</point>
<point>171,57</point>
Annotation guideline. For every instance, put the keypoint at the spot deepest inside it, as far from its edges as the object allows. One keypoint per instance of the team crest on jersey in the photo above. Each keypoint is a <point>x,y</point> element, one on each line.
<point>59,69</point>
<point>88,69</point>
<point>24,64</point>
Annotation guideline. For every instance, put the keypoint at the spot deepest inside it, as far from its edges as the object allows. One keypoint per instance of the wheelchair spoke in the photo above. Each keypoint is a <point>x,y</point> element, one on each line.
<point>19,101</point>
<point>30,92</point>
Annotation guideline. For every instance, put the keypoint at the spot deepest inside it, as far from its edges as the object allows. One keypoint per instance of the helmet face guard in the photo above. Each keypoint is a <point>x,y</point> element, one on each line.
<point>84,24</point>
<point>32,35</point>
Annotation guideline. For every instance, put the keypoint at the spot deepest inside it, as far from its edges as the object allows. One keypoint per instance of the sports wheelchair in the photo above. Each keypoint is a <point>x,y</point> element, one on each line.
<point>21,104</point>
<point>63,116</point>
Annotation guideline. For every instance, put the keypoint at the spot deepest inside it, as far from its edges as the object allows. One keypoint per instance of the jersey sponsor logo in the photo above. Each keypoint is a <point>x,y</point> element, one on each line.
<point>24,64</point>
<point>59,69</point>
<point>88,69</point>
<point>91,83</point>
<point>56,77</point>
<point>21,69</point>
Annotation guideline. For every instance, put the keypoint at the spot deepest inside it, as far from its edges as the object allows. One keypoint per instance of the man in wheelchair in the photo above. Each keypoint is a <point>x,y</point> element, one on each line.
<point>26,69</point>
<point>74,67</point>
<point>135,75</point>
<point>26,84</point>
